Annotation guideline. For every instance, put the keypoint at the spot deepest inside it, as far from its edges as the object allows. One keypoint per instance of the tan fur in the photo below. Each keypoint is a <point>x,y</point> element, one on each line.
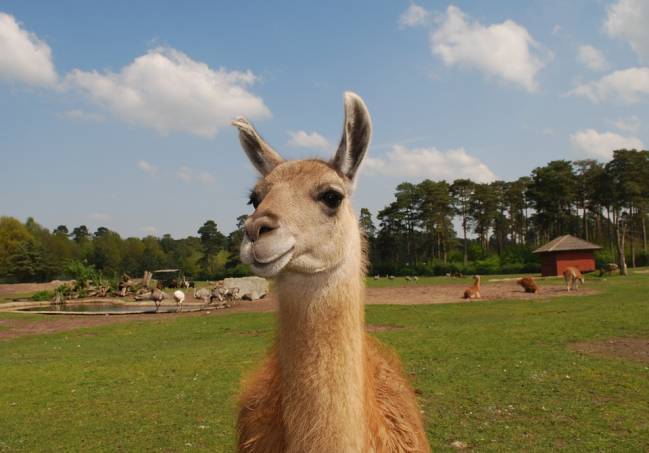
<point>473,292</point>
<point>573,277</point>
<point>325,386</point>
<point>528,284</point>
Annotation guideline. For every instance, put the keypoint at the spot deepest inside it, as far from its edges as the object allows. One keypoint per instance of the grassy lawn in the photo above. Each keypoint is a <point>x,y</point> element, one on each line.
<point>496,375</point>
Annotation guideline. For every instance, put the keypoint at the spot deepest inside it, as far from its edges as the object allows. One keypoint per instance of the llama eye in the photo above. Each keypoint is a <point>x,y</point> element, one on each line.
<point>254,200</point>
<point>331,198</point>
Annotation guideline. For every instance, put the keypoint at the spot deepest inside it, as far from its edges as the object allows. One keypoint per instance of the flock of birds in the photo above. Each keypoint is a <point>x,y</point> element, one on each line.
<point>220,294</point>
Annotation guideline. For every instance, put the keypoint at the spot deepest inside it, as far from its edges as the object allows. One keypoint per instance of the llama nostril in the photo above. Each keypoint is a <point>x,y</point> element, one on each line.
<point>265,229</point>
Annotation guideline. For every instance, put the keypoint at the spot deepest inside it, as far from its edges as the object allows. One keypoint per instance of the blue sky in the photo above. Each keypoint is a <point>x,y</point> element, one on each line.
<point>116,113</point>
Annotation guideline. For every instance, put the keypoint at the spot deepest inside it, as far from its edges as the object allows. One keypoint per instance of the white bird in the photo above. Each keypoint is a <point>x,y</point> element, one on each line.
<point>179,297</point>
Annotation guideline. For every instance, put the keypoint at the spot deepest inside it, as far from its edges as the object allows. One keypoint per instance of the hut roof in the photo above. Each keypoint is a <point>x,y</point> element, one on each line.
<point>566,243</point>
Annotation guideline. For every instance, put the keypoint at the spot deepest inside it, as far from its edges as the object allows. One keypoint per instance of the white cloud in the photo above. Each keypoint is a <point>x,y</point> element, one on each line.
<point>628,19</point>
<point>149,230</point>
<point>23,56</point>
<point>556,30</point>
<point>501,50</point>
<point>592,58</point>
<point>206,178</point>
<point>147,167</point>
<point>168,91</point>
<point>100,216</point>
<point>184,173</point>
<point>628,85</point>
<point>81,115</point>
<point>188,175</point>
<point>429,163</point>
<point>632,123</point>
<point>601,145</point>
<point>303,139</point>
<point>412,17</point>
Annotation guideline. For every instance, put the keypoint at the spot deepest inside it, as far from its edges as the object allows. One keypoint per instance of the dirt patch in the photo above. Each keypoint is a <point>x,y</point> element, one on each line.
<point>411,294</point>
<point>636,349</point>
<point>24,288</point>
<point>416,294</point>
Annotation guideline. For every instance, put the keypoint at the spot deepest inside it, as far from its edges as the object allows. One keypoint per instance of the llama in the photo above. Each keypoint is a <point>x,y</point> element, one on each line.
<point>326,386</point>
<point>528,284</point>
<point>179,297</point>
<point>573,277</point>
<point>473,292</point>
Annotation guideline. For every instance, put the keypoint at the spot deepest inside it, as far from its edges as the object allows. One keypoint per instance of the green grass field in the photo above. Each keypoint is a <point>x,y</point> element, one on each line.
<point>498,376</point>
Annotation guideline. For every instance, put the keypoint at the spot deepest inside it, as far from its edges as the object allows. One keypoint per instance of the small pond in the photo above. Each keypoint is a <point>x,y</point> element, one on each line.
<point>104,308</point>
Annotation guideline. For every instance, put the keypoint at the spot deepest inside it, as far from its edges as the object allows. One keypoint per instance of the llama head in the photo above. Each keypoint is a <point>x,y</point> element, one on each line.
<point>303,220</point>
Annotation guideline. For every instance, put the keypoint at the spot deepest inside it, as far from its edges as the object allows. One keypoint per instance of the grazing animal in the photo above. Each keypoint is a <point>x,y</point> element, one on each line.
<point>573,277</point>
<point>473,292</point>
<point>157,296</point>
<point>528,284</point>
<point>390,277</point>
<point>415,278</point>
<point>326,386</point>
<point>377,277</point>
<point>408,278</point>
<point>608,269</point>
<point>179,297</point>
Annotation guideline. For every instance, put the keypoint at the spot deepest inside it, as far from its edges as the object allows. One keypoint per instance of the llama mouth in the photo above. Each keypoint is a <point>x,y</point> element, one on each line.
<point>272,266</point>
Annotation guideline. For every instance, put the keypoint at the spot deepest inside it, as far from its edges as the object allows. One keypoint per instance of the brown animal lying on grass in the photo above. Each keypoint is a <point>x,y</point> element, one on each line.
<point>528,284</point>
<point>473,292</point>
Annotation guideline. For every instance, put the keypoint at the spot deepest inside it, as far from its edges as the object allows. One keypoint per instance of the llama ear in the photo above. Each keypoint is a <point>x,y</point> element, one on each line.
<point>260,153</point>
<point>356,136</point>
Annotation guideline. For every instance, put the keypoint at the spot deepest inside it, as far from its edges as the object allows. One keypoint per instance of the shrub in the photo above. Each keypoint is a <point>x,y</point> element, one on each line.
<point>604,256</point>
<point>42,295</point>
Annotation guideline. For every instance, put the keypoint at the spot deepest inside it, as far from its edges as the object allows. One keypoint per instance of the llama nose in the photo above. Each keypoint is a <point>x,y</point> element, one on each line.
<point>255,228</point>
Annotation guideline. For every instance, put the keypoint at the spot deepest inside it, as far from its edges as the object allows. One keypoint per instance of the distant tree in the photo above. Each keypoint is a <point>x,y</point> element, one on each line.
<point>212,242</point>
<point>625,179</point>
<point>552,194</point>
<point>483,212</point>
<point>407,199</point>
<point>234,243</point>
<point>367,224</point>
<point>516,202</point>
<point>462,192</point>
<point>435,213</point>
<point>13,238</point>
<point>101,231</point>
<point>80,233</point>
<point>62,230</point>
<point>24,263</point>
<point>107,251</point>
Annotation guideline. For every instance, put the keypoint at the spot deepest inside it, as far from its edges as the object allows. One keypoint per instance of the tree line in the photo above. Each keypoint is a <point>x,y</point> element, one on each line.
<point>31,253</point>
<point>436,227</point>
<point>430,228</point>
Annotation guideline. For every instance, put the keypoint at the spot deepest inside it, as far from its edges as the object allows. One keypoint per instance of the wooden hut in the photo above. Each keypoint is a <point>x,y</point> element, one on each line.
<point>565,251</point>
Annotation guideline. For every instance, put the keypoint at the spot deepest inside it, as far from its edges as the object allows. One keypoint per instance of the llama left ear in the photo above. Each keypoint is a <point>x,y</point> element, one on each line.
<point>260,153</point>
<point>356,136</point>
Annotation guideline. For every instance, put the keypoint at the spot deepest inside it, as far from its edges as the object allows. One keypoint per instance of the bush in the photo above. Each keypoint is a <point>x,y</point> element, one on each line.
<point>42,295</point>
<point>604,256</point>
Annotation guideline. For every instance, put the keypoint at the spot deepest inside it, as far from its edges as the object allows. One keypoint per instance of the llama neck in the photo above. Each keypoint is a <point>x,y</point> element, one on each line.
<point>321,351</point>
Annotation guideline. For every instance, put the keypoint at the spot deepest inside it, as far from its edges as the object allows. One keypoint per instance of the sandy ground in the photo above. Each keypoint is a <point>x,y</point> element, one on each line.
<point>415,294</point>
<point>22,288</point>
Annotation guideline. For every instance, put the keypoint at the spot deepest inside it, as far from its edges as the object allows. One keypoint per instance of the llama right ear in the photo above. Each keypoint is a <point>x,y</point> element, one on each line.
<point>356,136</point>
<point>260,153</point>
